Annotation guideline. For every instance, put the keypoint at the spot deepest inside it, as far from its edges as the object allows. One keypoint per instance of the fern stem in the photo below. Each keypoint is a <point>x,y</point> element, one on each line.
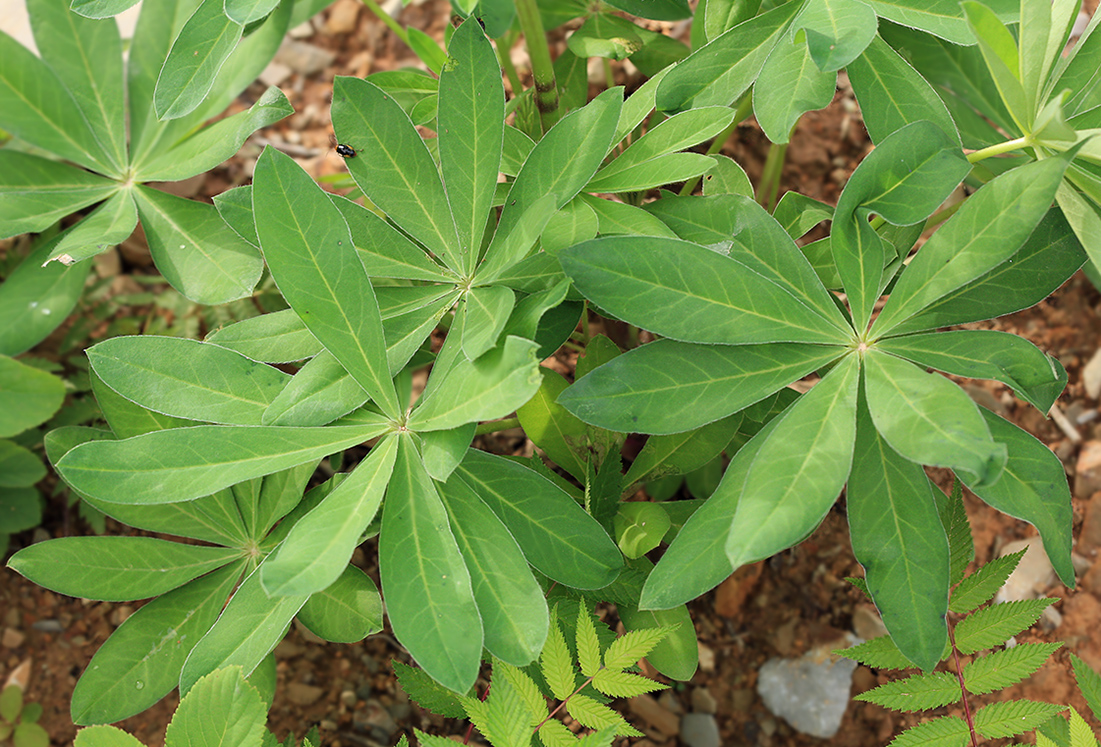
<point>563,703</point>
<point>963,688</point>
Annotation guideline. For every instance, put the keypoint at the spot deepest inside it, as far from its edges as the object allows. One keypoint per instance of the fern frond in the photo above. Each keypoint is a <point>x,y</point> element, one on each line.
<point>917,693</point>
<point>553,733</point>
<point>1042,741</point>
<point>556,663</point>
<point>953,517</point>
<point>588,712</point>
<point>427,693</point>
<point>1080,733</point>
<point>426,740</point>
<point>1089,682</point>
<point>525,686</point>
<point>619,684</point>
<point>983,584</point>
<point>478,713</point>
<point>877,653</point>
<point>630,647</point>
<point>860,584</point>
<point>948,731</point>
<point>588,645</point>
<point>1004,668</point>
<point>992,626</point>
<point>601,738</point>
<point>1012,717</point>
<point>508,718</point>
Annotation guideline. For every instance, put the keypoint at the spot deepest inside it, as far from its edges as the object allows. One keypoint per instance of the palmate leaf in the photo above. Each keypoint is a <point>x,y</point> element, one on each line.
<point>1012,717</point>
<point>1008,667</point>
<point>917,693</point>
<point>994,625</point>
<point>983,584</point>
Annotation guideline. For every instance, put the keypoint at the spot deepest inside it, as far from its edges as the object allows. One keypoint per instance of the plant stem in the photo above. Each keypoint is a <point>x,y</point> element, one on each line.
<point>963,689</point>
<point>609,78</point>
<point>494,426</point>
<point>942,215</point>
<point>385,18</point>
<point>770,177</point>
<point>504,47</point>
<point>542,69</point>
<point>999,148</point>
<point>564,701</point>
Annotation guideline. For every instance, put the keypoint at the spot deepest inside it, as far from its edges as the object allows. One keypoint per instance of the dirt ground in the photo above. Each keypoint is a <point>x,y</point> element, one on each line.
<point>781,607</point>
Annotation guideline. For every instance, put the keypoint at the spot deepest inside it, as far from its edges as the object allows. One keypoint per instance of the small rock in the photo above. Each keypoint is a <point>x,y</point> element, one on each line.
<point>348,698</point>
<point>302,694</point>
<point>1050,619</point>
<point>1091,376</point>
<point>20,676</point>
<point>654,714</point>
<point>328,725</point>
<point>707,658</point>
<point>287,649</point>
<point>669,701</point>
<point>375,721</point>
<point>783,637</point>
<point>699,730</point>
<point>48,626</point>
<point>303,30</point>
<point>12,638</point>
<point>741,699</point>
<point>1089,537</point>
<point>702,702</point>
<point>867,623</point>
<point>732,593</point>
<point>1087,477</point>
<point>343,17</point>
<point>120,614</point>
<point>810,693</point>
<point>1033,575</point>
<point>275,74</point>
<point>303,58</point>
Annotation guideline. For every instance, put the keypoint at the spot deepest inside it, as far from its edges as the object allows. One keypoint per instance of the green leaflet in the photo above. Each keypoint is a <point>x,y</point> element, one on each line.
<point>898,538</point>
<point>799,471</point>
<point>930,420</point>
<point>346,611</point>
<point>669,387</point>
<point>556,535</point>
<point>427,587</point>
<point>320,544</point>
<point>510,601</point>
<point>309,249</point>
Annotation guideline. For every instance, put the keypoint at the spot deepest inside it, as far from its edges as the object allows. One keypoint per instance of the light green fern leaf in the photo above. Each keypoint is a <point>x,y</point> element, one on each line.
<point>983,584</point>
<point>860,584</point>
<point>877,653</point>
<point>508,718</point>
<point>525,686</point>
<point>588,645</point>
<point>619,684</point>
<point>630,647</point>
<point>553,733</point>
<point>1080,733</point>
<point>1012,717</point>
<point>1042,741</point>
<point>917,693</point>
<point>427,740</point>
<point>948,731</point>
<point>556,663</point>
<point>403,742</point>
<point>1089,682</point>
<point>993,626</point>
<point>601,738</point>
<point>427,693</point>
<point>588,712</point>
<point>1004,668</point>
<point>478,713</point>
<point>961,547</point>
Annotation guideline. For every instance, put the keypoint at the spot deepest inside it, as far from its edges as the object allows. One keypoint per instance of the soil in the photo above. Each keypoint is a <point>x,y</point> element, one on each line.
<point>781,607</point>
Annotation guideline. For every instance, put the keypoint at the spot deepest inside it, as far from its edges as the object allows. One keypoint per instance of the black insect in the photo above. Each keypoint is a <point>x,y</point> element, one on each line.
<point>345,151</point>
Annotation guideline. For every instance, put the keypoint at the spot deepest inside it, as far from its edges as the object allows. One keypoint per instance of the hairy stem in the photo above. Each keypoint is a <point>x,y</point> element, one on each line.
<point>542,69</point>
<point>493,426</point>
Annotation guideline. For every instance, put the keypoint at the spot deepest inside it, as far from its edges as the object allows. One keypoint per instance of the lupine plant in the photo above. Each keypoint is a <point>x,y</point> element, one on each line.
<point>508,230</point>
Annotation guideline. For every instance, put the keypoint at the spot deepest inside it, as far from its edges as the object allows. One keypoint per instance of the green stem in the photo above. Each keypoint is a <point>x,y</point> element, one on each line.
<point>770,177</point>
<point>494,426</point>
<point>609,78</point>
<point>542,69</point>
<point>999,148</point>
<point>385,18</point>
<point>942,215</point>
<point>585,323</point>
<point>504,47</point>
